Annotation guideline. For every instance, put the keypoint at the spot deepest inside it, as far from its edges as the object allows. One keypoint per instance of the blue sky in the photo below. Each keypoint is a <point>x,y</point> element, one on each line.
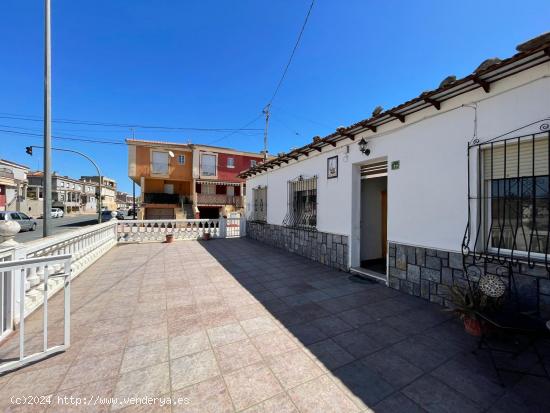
<point>215,64</point>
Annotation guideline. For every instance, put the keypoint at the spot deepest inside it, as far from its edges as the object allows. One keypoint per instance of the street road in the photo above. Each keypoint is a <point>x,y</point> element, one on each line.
<point>59,225</point>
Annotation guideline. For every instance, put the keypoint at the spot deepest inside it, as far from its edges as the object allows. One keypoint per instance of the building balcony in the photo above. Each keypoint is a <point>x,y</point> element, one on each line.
<point>161,198</point>
<point>219,199</point>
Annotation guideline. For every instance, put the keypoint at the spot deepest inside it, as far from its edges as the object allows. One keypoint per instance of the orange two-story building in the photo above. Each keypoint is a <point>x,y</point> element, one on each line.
<point>164,172</point>
<point>181,181</point>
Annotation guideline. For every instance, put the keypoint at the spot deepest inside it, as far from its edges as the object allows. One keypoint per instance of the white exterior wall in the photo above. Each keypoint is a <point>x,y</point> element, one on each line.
<point>427,196</point>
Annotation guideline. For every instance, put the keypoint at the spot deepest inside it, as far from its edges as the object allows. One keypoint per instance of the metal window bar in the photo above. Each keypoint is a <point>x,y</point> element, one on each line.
<point>260,204</point>
<point>511,197</point>
<point>302,204</point>
<point>52,266</point>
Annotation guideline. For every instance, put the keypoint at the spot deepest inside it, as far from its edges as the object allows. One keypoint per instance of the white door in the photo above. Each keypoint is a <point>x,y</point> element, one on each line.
<point>230,190</point>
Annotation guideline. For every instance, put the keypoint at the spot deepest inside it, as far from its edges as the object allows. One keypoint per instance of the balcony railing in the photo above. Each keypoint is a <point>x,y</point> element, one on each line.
<point>219,199</point>
<point>160,198</point>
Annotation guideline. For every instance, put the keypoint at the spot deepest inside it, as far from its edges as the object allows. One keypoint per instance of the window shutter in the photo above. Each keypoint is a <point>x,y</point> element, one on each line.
<point>495,158</point>
<point>374,169</point>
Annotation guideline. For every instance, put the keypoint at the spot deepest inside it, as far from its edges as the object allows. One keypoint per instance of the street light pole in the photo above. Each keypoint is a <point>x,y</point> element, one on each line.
<point>47,183</point>
<point>134,199</point>
<point>29,151</point>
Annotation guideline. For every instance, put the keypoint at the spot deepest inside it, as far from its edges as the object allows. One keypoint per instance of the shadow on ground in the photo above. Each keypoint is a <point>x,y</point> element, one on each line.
<point>391,351</point>
<point>234,325</point>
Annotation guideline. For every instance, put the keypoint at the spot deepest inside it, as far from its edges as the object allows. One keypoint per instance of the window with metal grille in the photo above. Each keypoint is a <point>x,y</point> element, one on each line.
<point>302,203</point>
<point>516,194</point>
<point>260,204</point>
<point>230,162</point>
<point>181,159</point>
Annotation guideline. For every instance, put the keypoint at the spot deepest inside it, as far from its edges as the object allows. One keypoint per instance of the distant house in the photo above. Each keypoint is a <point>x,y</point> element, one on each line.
<point>186,180</point>
<point>108,190</point>
<point>68,194</point>
<point>13,186</point>
<point>124,200</point>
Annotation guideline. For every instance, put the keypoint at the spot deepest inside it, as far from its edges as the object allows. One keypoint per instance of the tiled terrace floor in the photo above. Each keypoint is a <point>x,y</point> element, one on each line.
<point>233,325</point>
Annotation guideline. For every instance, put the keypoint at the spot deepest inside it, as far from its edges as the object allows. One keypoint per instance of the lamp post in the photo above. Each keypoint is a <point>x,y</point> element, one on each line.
<point>47,182</point>
<point>29,151</point>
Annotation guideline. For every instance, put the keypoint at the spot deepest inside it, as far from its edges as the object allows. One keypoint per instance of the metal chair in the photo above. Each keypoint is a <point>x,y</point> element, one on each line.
<point>507,323</point>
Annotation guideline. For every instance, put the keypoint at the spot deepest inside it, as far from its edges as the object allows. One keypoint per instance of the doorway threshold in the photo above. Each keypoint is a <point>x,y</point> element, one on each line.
<point>368,273</point>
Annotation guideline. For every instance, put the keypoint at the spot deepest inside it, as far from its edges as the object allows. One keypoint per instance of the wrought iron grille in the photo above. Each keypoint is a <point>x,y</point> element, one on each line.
<point>302,203</point>
<point>509,200</point>
<point>260,204</point>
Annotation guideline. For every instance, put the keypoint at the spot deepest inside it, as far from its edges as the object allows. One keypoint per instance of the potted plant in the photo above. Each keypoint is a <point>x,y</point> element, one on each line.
<point>467,304</point>
<point>206,236</point>
<point>169,238</point>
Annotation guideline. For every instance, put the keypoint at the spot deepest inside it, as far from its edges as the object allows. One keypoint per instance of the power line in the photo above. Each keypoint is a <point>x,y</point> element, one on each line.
<point>121,125</point>
<point>64,137</point>
<point>295,115</point>
<point>287,127</point>
<point>84,138</point>
<point>237,130</point>
<point>292,54</point>
<point>98,141</point>
<point>267,108</point>
<point>94,138</point>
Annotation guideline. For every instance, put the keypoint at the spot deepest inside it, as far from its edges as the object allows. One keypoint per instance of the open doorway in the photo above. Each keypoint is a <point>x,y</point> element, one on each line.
<point>374,218</point>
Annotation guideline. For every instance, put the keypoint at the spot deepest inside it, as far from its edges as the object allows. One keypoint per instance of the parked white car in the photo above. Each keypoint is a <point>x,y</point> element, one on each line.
<point>25,222</point>
<point>57,213</point>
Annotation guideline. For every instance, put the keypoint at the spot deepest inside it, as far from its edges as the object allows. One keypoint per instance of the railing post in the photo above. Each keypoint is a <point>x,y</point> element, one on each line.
<point>242,226</point>
<point>223,227</point>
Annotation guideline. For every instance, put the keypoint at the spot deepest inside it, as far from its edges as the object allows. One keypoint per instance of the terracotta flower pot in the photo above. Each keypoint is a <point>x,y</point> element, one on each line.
<point>473,326</point>
<point>169,238</point>
<point>206,236</point>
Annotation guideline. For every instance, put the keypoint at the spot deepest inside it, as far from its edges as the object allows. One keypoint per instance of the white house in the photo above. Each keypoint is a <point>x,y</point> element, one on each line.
<point>388,196</point>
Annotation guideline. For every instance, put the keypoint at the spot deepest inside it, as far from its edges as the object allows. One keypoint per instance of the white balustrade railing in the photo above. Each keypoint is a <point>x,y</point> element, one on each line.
<point>85,245</point>
<point>6,295</point>
<point>151,230</point>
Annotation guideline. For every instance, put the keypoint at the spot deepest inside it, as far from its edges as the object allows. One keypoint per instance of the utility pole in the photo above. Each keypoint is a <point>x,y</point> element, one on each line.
<point>266,113</point>
<point>47,182</point>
